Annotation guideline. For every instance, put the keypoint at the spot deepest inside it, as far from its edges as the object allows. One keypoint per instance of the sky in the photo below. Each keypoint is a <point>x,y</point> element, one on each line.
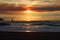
<point>34,2</point>
<point>47,8</point>
<point>41,4</point>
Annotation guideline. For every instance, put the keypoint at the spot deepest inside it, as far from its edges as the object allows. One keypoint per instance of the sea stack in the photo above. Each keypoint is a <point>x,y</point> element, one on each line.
<point>1,19</point>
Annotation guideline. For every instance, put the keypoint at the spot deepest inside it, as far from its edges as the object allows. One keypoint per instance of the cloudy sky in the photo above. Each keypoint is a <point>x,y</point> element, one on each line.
<point>41,4</point>
<point>51,9</point>
<point>34,2</point>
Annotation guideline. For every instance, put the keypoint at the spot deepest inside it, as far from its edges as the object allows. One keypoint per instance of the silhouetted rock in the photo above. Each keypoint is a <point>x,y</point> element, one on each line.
<point>12,20</point>
<point>1,19</point>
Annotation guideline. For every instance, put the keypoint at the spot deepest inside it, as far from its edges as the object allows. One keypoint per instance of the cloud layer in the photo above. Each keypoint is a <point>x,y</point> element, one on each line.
<point>20,7</point>
<point>34,2</point>
<point>38,5</point>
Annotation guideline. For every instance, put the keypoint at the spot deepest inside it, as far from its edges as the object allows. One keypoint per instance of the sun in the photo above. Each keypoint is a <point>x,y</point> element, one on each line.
<point>28,11</point>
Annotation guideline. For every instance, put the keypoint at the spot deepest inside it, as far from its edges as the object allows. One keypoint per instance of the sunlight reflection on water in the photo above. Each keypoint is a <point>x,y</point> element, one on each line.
<point>28,27</point>
<point>32,27</point>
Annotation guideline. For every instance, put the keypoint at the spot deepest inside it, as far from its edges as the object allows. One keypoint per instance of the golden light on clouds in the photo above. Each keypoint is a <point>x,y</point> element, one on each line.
<point>34,2</point>
<point>27,14</point>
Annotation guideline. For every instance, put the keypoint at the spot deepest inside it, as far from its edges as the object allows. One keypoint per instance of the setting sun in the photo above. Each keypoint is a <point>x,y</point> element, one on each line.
<point>28,11</point>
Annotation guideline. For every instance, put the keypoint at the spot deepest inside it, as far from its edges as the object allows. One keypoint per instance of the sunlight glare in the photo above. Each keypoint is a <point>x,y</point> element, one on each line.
<point>28,11</point>
<point>28,20</point>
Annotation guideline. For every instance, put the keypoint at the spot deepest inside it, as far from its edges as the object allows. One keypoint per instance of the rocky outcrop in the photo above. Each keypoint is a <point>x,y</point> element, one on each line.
<point>1,19</point>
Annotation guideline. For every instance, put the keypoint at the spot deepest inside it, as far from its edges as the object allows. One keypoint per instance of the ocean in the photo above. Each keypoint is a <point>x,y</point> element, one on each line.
<point>31,26</point>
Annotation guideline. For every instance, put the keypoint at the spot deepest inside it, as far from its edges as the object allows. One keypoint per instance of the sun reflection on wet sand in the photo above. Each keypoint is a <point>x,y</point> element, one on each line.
<point>28,31</point>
